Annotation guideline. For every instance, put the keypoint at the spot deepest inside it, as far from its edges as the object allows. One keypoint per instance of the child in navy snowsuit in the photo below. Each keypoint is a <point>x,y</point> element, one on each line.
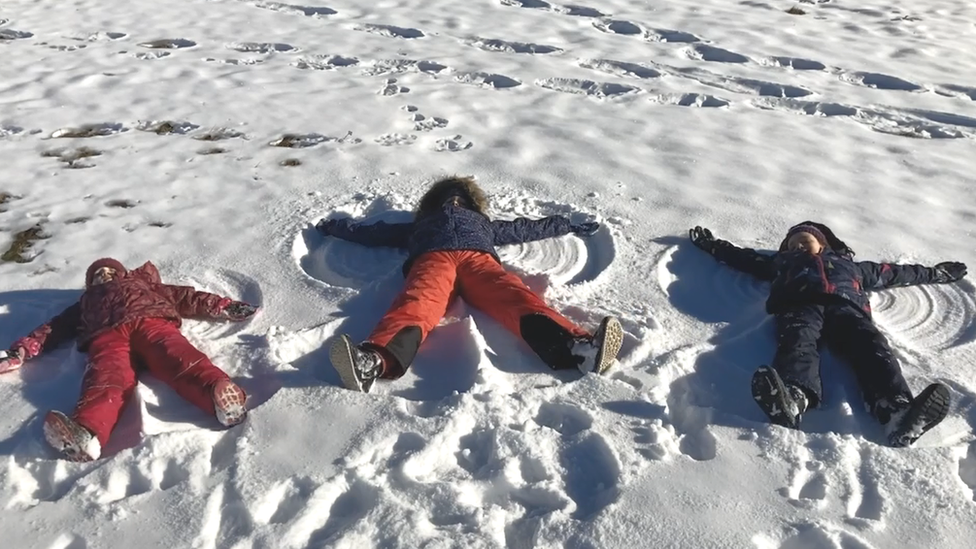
<point>818,294</point>
<point>451,246</point>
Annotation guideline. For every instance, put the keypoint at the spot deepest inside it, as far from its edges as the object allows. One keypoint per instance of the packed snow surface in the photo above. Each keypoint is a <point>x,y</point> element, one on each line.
<point>210,136</point>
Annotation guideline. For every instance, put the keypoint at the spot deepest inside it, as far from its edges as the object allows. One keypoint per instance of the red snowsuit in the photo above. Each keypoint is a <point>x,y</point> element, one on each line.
<point>133,320</point>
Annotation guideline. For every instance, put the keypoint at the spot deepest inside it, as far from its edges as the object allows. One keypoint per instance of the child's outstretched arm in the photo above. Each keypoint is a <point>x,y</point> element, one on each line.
<point>191,303</point>
<point>44,338</point>
<point>392,235</point>
<point>523,229</point>
<point>878,276</point>
<point>746,260</point>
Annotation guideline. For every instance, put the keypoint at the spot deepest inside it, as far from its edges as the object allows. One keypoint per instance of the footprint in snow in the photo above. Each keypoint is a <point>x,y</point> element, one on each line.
<point>168,44</point>
<point>953,90</point>
<point>620,68</point>
<point>453,144</point>
<point>166,127</point>
<point>391,31</point>
<point>325,62</point>
<point>88,130</point>
<point>618,26</point>
<point>532,4</point>
<point>498,45</point>
<point>391,139</point>
<point>262,47</point>
<point>795,63</point>
<point>392,88</point>
<point>704,52</point>
<point>586,87</point>
<point>880,81</point>
<point>487,80</point>
<point>396,66</point>
<point>307,11</point>
<point>11,34</point>
<point>424,124</point>
<point>235,62</point>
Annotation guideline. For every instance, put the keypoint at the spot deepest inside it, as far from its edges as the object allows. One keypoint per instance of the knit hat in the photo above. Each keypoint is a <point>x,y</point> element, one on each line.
<point>812,231</point>
<point>104,262</point>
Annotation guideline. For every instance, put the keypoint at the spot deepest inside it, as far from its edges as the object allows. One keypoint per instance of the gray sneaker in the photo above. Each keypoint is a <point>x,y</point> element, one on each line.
<point>358,367</point>
<point>596,354</point>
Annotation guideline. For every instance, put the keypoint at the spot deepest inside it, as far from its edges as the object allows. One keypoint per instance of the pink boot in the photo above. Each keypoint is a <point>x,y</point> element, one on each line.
<point>71,439</point>
<point>229,400</point>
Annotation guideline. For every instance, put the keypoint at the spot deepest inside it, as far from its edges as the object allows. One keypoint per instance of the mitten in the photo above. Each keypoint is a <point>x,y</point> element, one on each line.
<point>585,229</point>
<point>10,361</point>
<point>949,271</point>
<point>702,238</point>
<point>325,226</point>
<point>28,347</point>
<point>235,310</point>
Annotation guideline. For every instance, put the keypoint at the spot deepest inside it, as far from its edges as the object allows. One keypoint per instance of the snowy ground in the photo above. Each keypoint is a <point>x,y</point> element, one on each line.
<point>650,117</point>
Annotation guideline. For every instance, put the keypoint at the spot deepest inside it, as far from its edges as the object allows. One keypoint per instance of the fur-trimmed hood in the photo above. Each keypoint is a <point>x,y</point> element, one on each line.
<point>441,191</point>
<point>834,243</point>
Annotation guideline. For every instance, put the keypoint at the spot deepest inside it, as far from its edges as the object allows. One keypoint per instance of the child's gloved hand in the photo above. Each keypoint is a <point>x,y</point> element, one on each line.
<point>949,271</point>
<point>11,360</point>
<point>236,311</point>
<point>585,229</point>
<point>702,238</point>
<point>325,226</point>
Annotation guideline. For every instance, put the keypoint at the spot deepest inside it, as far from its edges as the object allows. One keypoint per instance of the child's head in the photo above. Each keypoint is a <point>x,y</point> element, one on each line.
<point>462,192</point>
<point>102,271</point>
<point>806,238</point>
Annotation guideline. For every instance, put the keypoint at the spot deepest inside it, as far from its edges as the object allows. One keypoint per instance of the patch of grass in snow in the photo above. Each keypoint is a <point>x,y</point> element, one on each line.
<point>120,203</point>
<point>289,162</point>
<point>212,150</point>
<point>795,10</point>
<point>22,244</point>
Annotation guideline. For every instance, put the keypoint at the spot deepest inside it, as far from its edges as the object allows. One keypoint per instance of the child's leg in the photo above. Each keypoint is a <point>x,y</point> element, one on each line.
<point>417,309</point>
<point>175,361</point>
<point>487,286</point>
<point>108,384</point>
<point>854,338</point>
<point>797,359</point>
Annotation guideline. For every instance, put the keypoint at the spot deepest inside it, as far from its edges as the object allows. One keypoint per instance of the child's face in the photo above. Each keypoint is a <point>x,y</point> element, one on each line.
<point>103,275</point>
<point>805,242</point>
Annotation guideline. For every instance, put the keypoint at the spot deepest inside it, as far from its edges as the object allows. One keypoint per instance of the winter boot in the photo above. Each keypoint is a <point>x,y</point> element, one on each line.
<point>783,404</point>
<point>358,367</point>
<point>915,418</point>
<point>229,400</point>
<point>597,353</point>
<point>71,439</point>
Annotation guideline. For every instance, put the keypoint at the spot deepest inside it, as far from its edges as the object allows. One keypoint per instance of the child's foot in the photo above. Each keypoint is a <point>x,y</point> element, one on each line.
<point>357,367</point>
<point>598,352</point>
<point>71,439</point>
<point>924,412</point>
<point>783,404</point>
<point>229,403</point>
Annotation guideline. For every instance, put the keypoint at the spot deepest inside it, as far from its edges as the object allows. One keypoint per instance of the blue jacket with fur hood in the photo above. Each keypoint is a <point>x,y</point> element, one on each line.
<point>452,215</point>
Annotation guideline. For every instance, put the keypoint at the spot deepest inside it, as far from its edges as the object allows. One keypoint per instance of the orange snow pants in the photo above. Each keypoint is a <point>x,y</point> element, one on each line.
<point>110,378</point>
<point>477,277</point>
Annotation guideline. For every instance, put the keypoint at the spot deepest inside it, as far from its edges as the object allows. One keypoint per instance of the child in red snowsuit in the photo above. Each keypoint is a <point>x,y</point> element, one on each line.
<point>126,319</point>
<point>451,245</point>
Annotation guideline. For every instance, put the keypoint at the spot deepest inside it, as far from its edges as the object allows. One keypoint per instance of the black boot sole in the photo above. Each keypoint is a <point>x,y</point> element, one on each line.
<point>929,408</point>
<point>773,397</point>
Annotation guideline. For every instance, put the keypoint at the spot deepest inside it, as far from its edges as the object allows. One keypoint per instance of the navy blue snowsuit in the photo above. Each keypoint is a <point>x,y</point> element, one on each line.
<point>822,297</point>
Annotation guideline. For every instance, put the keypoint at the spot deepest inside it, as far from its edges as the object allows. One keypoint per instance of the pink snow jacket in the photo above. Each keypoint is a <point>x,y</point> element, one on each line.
<point>135,294</point>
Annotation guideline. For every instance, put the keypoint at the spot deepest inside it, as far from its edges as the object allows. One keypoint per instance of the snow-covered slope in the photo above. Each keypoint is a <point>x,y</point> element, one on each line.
<point>650,117</point>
